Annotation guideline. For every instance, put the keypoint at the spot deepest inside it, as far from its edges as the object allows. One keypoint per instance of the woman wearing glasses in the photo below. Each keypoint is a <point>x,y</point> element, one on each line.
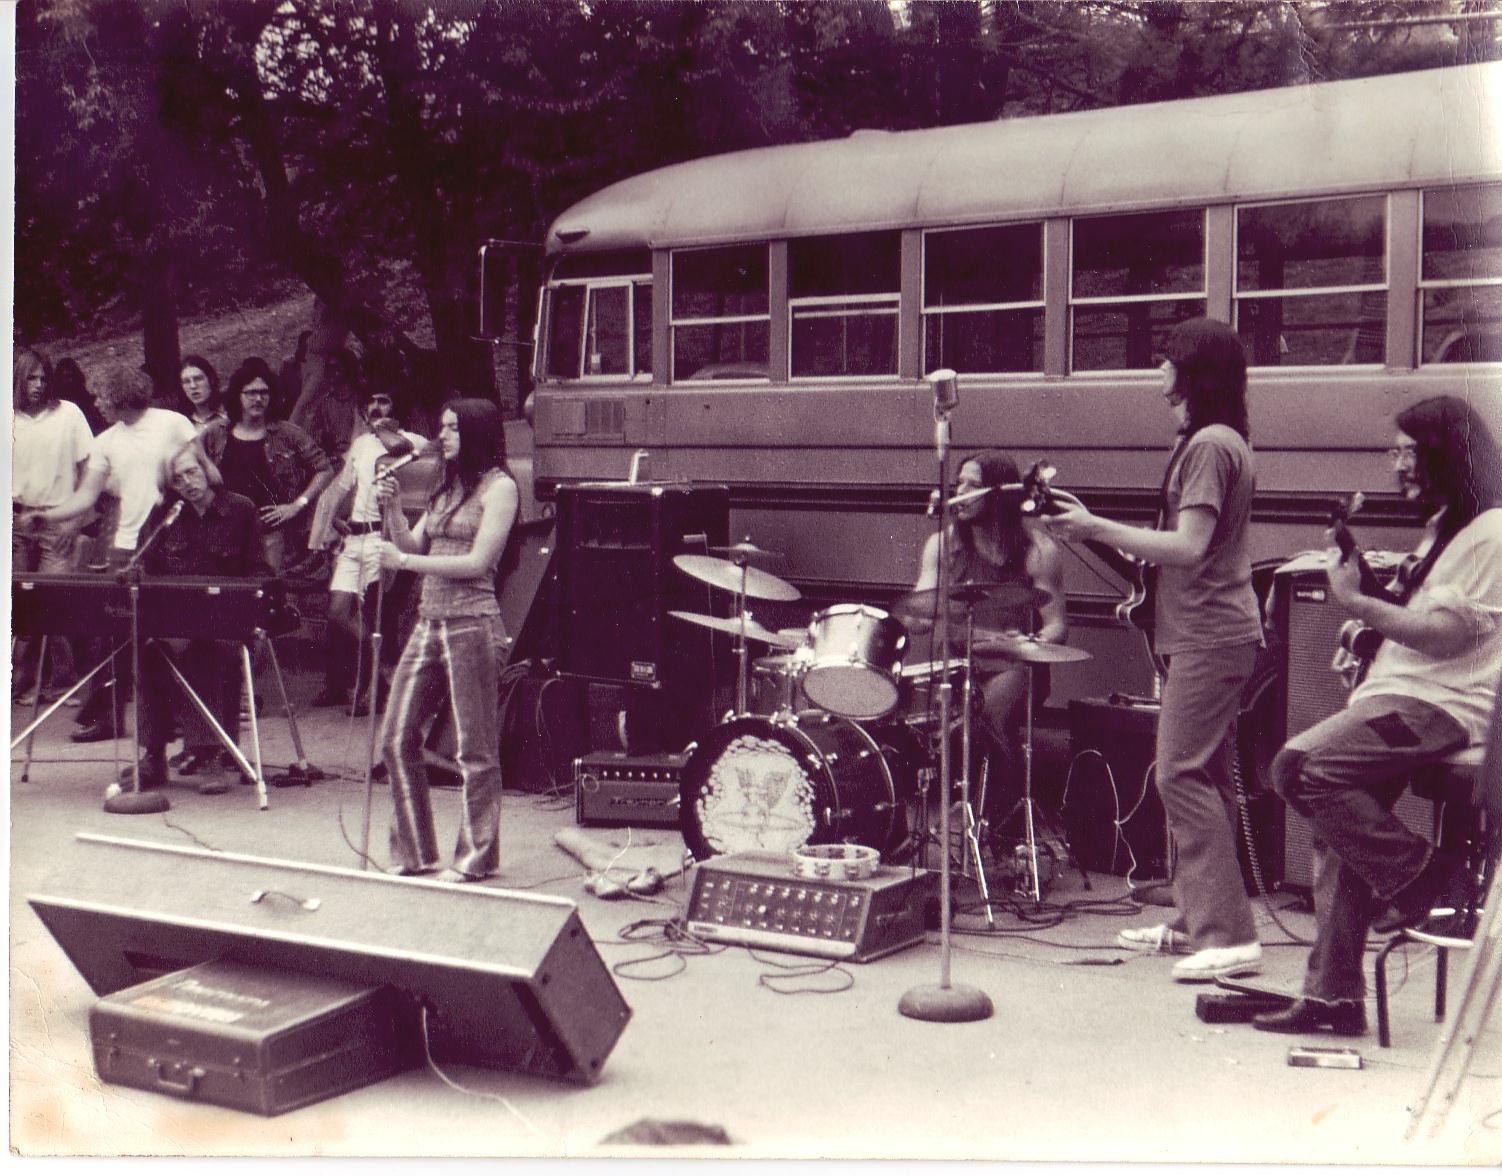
<point>1208,630</point>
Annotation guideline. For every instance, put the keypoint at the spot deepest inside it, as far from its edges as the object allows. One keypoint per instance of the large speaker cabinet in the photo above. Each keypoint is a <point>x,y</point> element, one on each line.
<point>487,977</point>
<point>616,584</point>
<point>1308,620</point>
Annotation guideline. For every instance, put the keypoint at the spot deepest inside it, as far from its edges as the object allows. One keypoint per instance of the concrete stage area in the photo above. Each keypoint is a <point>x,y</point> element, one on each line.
<point>1092,1054</point>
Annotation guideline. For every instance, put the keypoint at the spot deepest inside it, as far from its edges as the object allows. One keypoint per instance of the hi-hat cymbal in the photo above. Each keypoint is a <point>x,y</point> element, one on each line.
<point>736,577</point>
<point>747,552</point>
<point>733,626</point>
<point>918,607</point>
<point>781,663</point>
<point>1026,649</point>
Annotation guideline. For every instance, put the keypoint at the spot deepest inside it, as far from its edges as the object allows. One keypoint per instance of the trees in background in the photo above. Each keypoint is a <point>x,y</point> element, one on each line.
<point>174,155</point>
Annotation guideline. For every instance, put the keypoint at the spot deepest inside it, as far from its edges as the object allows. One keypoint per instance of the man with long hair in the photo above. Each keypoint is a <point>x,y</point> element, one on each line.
<point>50,441</point>
<point>1429,693</point>
<point>1207,630</point>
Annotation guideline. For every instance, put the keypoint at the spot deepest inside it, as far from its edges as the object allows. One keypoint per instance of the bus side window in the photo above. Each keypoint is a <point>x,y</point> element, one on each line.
<point>1461,279</point>
<point>1311,281</point>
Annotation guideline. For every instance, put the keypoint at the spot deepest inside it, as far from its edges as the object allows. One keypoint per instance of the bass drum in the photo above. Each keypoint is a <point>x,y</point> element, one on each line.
<point>778,784</point>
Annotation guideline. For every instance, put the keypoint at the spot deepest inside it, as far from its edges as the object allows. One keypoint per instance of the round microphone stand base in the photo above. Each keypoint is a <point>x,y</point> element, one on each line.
<point>127,802</point>
<point>939,1002</point>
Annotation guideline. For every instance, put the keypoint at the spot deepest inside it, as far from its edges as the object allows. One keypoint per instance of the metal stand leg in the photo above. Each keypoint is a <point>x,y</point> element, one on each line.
<point>36,706</point>
<point>255,728</point>
<point>59,703</point>
<point>299,771</point>
<point>969,832</point>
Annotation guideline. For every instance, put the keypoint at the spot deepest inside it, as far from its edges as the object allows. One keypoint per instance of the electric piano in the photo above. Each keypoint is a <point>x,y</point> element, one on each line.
<point>76,604</point>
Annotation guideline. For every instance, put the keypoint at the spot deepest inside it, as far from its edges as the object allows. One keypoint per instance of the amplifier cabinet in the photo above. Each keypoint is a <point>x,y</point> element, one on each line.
<point>245,1037</point>
<point>754,899</point>
<point>1308,619</point>
<point>613,788</point>
<point>1112,810</point>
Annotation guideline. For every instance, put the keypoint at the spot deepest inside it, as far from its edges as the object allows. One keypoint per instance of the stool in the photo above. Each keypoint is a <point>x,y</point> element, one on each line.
<point>1462,819</point>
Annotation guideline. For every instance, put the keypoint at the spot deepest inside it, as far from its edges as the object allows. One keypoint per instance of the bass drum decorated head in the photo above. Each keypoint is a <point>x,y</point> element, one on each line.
<point>778,784</point>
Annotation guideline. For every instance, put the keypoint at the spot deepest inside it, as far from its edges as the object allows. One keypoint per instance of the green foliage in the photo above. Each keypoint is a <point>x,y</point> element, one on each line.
<point>204,153</point>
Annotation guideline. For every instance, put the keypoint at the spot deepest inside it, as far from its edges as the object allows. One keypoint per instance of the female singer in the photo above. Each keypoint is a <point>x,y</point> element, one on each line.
<point>991,542</point>
<point>1208,628</point>
<point>454,649</point>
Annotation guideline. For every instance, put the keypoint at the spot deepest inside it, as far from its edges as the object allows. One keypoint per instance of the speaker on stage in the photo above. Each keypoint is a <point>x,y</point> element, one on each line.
<point>1308,620</point>
<point>615,586</point>
<point>493,978</point>
<point>1112,811</point>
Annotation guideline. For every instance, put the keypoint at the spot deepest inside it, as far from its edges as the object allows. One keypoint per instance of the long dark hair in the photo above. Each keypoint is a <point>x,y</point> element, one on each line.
<point>27,363</point>
<point>253,368</point>
<point>482,448</point>
<point>1000,517</point>
<point>203,365</point>
<point>1457,457</point>
<point>1209,366</point>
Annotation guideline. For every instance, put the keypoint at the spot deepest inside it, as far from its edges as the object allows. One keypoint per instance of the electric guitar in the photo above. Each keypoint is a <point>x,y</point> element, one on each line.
<point>1136,608</point>
<point>1358,642</point>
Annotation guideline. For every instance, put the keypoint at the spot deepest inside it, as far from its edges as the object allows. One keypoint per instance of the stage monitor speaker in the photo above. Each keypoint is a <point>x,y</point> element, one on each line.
<point>1308,619</point>
<point>616,584</point>
<point>509,981</point>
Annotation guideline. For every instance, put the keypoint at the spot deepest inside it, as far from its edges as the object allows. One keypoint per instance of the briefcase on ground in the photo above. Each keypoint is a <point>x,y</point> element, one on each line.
<point>249,1038</point>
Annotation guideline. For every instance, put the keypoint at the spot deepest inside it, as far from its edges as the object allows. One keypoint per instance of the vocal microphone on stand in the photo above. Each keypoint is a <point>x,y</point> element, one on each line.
<point>167,520</point>
<point>408,458</point>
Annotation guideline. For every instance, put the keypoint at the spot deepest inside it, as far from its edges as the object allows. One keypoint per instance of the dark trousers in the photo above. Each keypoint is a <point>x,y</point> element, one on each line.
<point>1344,775</point>
<point>212,668</point>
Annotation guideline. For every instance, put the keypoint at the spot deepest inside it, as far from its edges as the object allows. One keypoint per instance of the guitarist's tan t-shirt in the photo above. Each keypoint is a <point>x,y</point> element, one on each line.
<point>1210,605</point>
<point>1465,579</point>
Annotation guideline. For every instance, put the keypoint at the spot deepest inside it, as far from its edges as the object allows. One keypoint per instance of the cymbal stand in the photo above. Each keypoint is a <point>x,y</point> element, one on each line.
<point>742,651</point>
<point>971,832</point>
<point>944,1001</point>
<point>1029,822</point>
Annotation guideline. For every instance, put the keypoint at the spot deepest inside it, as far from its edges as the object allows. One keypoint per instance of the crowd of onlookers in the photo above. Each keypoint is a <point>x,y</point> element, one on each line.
<point>93,457</point>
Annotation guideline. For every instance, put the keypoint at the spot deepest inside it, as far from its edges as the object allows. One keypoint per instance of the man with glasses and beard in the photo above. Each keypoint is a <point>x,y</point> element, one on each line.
<point>1429,692</point>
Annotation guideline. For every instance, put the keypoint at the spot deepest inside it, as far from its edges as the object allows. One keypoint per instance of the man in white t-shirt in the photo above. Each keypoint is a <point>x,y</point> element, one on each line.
<point>1429,693</point>
<point>352,607</point>
<point>50,441</point>
<point>129,460</point>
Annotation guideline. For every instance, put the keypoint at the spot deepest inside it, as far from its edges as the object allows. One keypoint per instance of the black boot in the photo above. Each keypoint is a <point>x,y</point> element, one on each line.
<point>1344,1018</point>
<point>1412,904</point>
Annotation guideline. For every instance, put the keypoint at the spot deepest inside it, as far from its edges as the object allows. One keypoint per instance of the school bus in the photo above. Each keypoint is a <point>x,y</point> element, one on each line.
<point>764,319</point>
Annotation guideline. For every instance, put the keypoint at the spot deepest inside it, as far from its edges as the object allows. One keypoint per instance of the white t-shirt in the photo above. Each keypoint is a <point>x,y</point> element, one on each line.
<point>363,452</point>
<point>44,454</point>
<point>1466,579</point>
<point>134,459</point>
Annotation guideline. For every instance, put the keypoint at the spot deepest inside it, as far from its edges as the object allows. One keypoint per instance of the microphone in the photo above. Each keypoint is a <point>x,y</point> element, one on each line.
<point>177,509</point>
<point>946,386</point>
<point>129,570</point>
<point>408,458</point>
<point>961,499</point>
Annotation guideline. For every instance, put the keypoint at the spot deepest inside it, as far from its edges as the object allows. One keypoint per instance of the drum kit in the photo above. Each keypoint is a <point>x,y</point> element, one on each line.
<point>846,738</point>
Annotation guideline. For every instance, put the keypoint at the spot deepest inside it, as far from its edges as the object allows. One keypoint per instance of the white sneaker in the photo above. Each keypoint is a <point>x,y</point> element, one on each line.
<point>1162,939</point>
<point>1244,959</point>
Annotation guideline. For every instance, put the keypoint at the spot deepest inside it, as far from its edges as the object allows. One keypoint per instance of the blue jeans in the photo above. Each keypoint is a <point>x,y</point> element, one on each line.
<point>1344,775</point>
<point>1200,699</point>
<point>454,661</point>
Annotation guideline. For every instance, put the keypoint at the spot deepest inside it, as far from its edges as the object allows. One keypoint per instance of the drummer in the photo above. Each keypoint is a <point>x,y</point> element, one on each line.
<point>991,541</point>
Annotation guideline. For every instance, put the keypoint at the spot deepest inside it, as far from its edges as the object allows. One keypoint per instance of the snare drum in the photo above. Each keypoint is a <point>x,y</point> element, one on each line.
<point>779,784</point>
<point>857,655</point>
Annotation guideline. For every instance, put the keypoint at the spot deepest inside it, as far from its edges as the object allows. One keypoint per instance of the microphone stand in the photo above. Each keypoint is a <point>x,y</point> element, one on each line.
<point>383,536</point>
<point>944,1001</point>
<point>136,802</point>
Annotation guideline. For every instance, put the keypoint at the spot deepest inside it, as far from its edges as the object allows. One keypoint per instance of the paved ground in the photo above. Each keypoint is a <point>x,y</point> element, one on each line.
<point>1092,1053</point>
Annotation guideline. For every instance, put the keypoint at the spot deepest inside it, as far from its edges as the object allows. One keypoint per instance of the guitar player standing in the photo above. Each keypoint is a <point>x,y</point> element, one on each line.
<point>1428,693</point>
<point>1208,629</point>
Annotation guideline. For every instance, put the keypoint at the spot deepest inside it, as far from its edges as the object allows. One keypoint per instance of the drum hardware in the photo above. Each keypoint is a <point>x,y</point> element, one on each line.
<point>918,609</point>
<point>747,552</point>
<point>744,581</point>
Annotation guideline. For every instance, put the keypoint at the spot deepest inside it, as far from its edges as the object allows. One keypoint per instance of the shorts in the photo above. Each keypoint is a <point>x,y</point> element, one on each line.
<point>357,565</point>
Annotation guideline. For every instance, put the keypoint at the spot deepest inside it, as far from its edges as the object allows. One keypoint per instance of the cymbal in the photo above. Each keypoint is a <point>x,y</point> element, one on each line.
<point>721,573</point>
<point>747,552</point>
<point>732,625</point>
<point>918,607</point>
<point>1026,649</point>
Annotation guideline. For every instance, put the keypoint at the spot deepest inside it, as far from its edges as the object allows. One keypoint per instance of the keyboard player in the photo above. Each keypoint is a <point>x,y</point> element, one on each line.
<point>212,532</point>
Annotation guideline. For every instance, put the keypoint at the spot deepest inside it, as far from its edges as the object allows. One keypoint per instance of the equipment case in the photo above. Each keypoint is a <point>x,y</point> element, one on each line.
<point>248,1038</point>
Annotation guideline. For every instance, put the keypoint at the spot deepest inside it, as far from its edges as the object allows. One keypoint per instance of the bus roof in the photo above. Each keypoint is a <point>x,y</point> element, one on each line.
<point>1377,133</point>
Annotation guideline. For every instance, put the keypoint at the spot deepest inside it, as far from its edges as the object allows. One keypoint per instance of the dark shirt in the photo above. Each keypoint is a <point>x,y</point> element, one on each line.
<point>246,470</point>
<point>225,541</point>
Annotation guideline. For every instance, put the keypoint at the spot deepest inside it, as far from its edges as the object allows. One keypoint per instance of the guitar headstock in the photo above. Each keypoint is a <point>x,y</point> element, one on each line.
<point>1037,487</point>
<point>1340,516</point>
